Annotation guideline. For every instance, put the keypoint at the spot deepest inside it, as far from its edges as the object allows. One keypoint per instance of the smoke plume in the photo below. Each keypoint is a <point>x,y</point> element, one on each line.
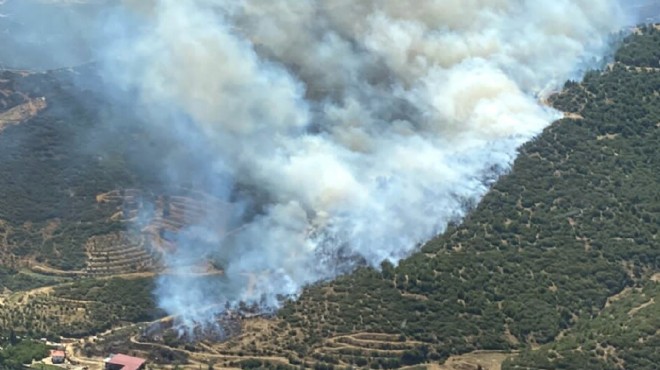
<point>338,132</point>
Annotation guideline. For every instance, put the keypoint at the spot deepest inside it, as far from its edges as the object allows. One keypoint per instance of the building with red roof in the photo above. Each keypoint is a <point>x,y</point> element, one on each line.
<point>124,362</point>
<point>57,356</point>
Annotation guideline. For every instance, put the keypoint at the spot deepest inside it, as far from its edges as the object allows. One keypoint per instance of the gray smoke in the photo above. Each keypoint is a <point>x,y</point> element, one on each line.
<point>340,132</point>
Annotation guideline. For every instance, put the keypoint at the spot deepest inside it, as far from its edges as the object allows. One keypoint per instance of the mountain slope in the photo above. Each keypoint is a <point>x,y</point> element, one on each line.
<point>573,226</point>
<point>624,335</point>
<point>574,223</point>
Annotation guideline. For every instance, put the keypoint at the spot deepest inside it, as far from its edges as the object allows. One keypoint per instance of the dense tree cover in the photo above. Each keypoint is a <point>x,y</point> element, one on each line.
<point>624,335</point>
<point>641,51</point>
<point>14,355</point>
<point>575,222</point>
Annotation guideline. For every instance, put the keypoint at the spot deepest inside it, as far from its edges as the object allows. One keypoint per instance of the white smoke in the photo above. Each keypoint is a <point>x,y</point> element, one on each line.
<point>363,126</point>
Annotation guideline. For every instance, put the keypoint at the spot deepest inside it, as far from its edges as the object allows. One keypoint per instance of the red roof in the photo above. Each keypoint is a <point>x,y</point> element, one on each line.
<point>56,353</point>
<point>127,362</point>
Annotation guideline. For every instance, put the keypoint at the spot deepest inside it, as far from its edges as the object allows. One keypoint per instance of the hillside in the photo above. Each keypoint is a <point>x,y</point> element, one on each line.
<point>574,223</point>
<point>70,191</point>
<point>54,164</point>
<point>623,335</point>
<point>557,267</point>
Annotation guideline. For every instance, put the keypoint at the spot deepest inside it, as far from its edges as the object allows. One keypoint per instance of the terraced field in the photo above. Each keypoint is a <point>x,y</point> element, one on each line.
<point>119,253</point>
<point>152,224</point>
<point>159,218</point>
<point>358,349</point>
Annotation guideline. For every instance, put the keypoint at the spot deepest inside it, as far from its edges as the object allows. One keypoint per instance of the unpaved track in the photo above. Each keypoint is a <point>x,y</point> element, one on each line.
<point>205,357</point>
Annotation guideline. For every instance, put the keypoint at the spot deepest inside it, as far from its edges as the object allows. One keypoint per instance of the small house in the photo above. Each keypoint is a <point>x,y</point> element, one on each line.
<point>57,356</point>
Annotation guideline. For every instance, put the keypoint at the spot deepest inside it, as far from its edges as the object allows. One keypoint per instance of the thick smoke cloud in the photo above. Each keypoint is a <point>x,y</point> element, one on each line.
<point>340,132</point>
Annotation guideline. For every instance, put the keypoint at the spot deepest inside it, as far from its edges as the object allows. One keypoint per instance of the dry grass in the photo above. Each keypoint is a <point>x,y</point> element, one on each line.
<point>471,361</point>
<point>607,137</point>
<point>575,116</point>
<point>22,112</point>
<point>656,277</point>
